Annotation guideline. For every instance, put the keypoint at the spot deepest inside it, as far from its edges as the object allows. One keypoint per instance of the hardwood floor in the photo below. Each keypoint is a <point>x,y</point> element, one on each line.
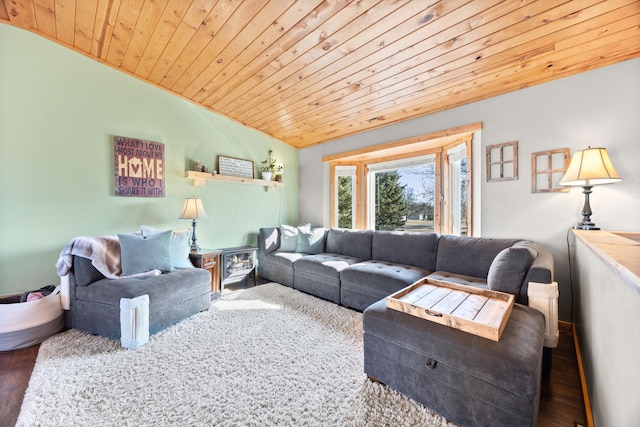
<point>15,370</point>
<point>561,403</point>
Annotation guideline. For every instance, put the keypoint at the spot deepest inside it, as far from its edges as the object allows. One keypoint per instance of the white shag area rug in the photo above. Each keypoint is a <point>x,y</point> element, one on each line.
<point>264,356</point>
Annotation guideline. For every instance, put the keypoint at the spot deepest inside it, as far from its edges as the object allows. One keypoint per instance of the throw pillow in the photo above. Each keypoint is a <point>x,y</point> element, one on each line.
<point>140,255</point>
<point>289,236</point>
<point>509,267</point>
<point>311,240</point>
<point>180,245</point>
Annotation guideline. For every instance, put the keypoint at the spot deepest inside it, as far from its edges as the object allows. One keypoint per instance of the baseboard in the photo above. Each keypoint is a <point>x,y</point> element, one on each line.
<point>583,380</point>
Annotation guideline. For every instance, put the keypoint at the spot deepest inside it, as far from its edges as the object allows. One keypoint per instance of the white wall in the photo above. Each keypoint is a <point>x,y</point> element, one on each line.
<point>596,108</point>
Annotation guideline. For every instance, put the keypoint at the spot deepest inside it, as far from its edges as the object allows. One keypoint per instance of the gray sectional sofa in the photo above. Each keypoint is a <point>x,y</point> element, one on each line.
<point>470,380</point>
<point>356,268</point>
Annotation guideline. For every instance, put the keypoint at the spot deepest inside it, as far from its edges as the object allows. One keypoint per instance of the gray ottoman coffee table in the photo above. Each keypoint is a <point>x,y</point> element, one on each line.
<point>468,379</point>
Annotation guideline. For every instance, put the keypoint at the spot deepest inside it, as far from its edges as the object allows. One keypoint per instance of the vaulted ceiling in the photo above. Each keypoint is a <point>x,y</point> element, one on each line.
<point>310,71</point>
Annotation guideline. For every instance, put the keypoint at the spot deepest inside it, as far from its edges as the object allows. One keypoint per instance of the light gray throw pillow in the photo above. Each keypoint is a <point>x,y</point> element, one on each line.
<point>289,236</point>
<point>311,241</point>
<point>140,255</point>
<point>180,245</point>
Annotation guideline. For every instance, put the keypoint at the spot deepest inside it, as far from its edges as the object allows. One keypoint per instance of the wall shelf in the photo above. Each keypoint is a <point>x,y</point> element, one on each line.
<point>200,178</point>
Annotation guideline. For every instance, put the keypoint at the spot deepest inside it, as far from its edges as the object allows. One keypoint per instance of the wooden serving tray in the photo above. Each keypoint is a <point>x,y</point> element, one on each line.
<point>477,311</point>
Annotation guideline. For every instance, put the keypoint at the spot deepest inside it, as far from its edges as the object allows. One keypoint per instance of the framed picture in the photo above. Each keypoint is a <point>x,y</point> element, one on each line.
<point>138,167</point>
<point>235,167</point>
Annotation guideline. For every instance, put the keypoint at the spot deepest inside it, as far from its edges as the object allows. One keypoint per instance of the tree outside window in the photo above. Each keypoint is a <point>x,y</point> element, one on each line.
<point>390,203</point>
<point>345,201</point>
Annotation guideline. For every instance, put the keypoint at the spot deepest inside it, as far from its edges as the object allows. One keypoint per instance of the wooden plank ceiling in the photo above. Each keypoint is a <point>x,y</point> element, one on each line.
<point>310,71</point>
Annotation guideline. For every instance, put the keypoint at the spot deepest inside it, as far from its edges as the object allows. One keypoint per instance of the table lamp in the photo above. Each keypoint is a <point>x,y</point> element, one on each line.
<point>193,210</point>
<point>588,168</point>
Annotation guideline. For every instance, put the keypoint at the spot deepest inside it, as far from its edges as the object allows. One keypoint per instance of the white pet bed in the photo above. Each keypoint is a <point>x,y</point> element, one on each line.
<point>24,324</point>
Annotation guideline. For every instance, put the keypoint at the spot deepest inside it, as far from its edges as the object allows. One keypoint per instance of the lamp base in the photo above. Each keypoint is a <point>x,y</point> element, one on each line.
<point>582,226</point>
<point>194,246</point>
<point>586,223</point>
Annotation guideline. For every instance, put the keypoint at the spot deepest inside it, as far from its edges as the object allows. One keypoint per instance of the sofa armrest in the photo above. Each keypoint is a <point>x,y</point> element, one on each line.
<point>542,268</point>
<point>268,240</point>
<point>65,292</point>
<point>134,321</point>
<point>541,271</point>
<point>544,298</point>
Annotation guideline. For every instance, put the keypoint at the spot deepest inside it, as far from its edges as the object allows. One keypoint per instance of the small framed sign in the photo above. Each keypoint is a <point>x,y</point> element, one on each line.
<point>235,167</point>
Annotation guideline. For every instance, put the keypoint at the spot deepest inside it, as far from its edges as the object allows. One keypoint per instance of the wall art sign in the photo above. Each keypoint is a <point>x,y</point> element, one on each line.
<point>139,167</point>
<point>235,167</point>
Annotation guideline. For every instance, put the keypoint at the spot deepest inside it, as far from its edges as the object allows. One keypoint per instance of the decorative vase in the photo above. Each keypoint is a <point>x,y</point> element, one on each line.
<point>266,176</point>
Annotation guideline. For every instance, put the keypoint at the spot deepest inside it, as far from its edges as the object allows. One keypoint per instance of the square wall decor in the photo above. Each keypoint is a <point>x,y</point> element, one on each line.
<point>547,169</point>
<point>138,167</point>
<point>502,162</point>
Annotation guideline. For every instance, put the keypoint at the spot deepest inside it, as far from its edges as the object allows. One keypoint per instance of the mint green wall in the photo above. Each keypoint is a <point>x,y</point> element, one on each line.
<point>59,112</point>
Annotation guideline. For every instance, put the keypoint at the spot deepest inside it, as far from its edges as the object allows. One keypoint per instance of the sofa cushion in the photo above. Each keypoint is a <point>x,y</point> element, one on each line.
<point>366,282</point>
<point>469,256</point>
<point>381,275</point>
<point>399,247</point>
<point>180,246</point>
<point>311,240</point>
<point>285,259</point>
<point>353,243</point>
<point>326,264</point>
<point>167,286</point>
<point>278,267</point>
<point>140,255</point>
<point>509,267</point>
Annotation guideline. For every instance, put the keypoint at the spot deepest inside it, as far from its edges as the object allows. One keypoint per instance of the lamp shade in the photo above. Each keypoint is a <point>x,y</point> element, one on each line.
<point>590,167</point>
<point>193,209</point>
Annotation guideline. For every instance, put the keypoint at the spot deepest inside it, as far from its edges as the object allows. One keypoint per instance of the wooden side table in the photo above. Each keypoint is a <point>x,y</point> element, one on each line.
<point>209,259</point>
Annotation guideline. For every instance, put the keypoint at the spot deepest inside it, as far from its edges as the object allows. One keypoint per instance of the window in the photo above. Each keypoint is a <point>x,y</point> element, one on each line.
<point>402,195</point>
<point>419,184</point>
<point>344,197</point>
<point>456,200</point>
